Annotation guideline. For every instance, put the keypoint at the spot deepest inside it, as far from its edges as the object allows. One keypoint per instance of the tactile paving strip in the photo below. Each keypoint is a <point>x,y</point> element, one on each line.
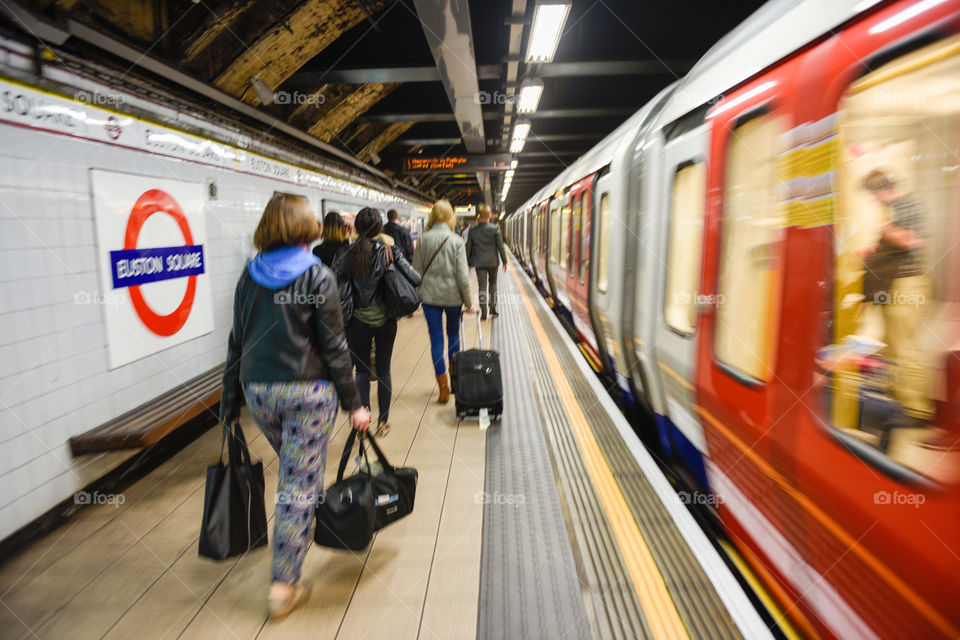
<point>529,583</point>
<point>696,600</point>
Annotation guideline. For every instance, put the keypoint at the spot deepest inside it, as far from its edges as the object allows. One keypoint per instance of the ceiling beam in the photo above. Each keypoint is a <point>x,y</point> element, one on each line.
<point>594,112</point>
<point>325,121</point>
<point>388,135</point>
<point>614,68</point>
<point>493,71</point>
<point>282,50</point>
<point>446,24</point>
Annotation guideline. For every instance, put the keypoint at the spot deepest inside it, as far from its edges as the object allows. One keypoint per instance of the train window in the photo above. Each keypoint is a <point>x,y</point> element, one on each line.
<point>554,234</point>
<point>585,239</point>
<point>575,237</point>
<point>603,228</point>
<point>564,246</point>
<point>753,222</point>
<point>685,246</point>
<point>891,360</point>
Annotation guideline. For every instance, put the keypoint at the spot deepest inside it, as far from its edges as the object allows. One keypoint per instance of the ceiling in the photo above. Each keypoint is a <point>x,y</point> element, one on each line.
<point>383,79</point>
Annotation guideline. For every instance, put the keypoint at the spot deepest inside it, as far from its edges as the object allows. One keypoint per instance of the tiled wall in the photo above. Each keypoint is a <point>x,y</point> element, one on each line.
<point>54,376</point>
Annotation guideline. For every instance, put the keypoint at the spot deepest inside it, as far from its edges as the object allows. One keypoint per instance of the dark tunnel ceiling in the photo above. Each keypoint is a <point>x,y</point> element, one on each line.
<point>308,46</point>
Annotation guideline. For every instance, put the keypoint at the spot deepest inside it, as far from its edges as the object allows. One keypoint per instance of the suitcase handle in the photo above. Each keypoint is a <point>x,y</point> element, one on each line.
<point>479,332</point>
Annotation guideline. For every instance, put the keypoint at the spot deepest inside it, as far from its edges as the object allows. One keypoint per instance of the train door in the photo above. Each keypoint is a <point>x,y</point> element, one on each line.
<point>576,289</point>
<point>739,389</point>
<point>680,210</point>
<point>554,243</point>
<point>606,280</point>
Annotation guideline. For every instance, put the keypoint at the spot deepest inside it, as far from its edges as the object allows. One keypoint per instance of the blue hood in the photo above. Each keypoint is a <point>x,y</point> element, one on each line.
<point>278,268</point>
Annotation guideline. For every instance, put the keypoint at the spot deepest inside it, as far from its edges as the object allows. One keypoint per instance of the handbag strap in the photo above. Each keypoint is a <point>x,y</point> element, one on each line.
<point>348,448</point>
<point>376,448</point>
<point>434,256</point>
<point>237,450</point>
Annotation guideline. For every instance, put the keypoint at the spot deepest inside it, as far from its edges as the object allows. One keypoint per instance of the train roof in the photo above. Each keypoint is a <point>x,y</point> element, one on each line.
<point>771,33</point>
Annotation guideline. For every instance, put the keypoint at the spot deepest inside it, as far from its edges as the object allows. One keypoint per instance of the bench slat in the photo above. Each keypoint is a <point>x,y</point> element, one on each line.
<point>148,423</point>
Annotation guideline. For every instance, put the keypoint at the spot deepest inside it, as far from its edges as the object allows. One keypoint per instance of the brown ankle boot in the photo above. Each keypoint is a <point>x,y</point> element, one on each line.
<point>444,389</point>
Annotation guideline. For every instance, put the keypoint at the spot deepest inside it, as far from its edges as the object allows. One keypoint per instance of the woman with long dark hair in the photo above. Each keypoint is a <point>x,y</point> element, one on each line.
<point>363,265</point>
<point>334,239</point>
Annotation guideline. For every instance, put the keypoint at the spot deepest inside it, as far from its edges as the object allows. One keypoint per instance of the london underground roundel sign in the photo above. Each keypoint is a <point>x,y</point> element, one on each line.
<point>133,266</point>
<point>151,235</point>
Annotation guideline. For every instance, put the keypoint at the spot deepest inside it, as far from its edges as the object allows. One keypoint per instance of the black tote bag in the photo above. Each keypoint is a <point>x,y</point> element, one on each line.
<point>234,514</point>
<point>345,517</point>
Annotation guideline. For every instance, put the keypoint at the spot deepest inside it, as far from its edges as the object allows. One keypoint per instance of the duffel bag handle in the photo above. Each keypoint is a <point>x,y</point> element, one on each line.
<point>376,449</point>
<point>348,448</point>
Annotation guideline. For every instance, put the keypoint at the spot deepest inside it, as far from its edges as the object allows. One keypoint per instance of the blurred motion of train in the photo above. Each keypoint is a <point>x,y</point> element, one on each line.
<point>765,262</point>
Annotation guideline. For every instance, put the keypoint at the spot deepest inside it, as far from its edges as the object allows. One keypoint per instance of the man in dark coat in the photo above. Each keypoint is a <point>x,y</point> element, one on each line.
<point>485,252</point>
<point>401,237</point>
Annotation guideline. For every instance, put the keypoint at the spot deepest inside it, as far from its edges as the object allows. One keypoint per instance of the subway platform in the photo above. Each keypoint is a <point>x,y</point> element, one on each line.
<point>552,523</point>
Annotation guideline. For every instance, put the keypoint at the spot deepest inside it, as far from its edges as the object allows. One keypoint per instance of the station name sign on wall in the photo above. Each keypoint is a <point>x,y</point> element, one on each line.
<point>151,237</point>
<point>456,163</point>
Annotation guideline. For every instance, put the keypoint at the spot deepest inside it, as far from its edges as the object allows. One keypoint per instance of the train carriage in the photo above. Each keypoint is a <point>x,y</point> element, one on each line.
<point>786,222</point>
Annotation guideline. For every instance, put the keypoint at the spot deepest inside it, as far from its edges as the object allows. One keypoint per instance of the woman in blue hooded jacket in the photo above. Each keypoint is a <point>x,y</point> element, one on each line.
<point>287,355</point>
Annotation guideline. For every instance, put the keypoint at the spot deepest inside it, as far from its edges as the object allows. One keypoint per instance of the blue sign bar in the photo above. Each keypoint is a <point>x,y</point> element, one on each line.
<point>133,267</point>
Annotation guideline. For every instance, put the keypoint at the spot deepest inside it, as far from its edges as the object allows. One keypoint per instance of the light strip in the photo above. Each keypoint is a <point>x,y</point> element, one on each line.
<point>530,92</point>
<point>548,21</point>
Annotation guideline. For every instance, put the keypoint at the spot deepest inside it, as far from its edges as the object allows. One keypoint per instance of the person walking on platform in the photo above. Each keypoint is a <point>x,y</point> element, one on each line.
<point>485,252</point>
<point>363,266</point>
<point>401,237</point>
<point>287,355</point>
<point>442,261</point>
<point>334,239</point>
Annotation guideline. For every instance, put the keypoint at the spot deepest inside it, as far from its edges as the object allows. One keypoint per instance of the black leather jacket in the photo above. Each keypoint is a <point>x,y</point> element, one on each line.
<point>368,292</point>
<point>293,333</point>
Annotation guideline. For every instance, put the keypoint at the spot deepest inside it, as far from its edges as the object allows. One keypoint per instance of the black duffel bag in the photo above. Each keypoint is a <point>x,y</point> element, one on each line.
<point>234,514</point>
<point>394,489</point>
<point>400,297</point>
<point>345,516</point>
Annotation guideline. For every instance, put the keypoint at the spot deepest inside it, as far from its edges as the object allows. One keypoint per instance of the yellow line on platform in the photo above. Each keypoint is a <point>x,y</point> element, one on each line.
<point>659,608</point>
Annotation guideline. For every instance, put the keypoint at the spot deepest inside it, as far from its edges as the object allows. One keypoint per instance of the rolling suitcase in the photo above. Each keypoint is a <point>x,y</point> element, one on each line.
<point>476,380</point>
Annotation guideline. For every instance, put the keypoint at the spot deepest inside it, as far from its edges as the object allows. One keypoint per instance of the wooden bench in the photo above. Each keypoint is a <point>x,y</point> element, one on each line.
<point>149,422</point>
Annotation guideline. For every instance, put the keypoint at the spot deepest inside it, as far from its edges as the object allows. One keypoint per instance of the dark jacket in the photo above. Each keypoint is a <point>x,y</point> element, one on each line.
<point>329,251</point>
<point>485,246</point>
<point>367,292</point>
<point>401,238</point>
<point>289,334</point>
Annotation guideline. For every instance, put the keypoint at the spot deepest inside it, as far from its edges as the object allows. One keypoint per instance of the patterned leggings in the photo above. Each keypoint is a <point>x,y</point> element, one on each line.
<point>297,419</point>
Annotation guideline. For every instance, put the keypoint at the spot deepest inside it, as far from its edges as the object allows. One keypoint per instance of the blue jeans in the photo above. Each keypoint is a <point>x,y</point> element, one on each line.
<point>434,316</point>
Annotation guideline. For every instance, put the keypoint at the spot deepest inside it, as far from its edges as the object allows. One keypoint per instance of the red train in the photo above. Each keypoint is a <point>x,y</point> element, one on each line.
<point>766,258</point>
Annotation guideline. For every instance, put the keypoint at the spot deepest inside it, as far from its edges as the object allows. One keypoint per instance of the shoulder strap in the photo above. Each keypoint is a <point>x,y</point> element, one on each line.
<point>434,256</point>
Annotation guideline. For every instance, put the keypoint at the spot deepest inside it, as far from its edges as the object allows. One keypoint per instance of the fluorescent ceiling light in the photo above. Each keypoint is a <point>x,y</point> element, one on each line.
<point>548,19</point>
<point>520,132</point>
<point>530,92</point>
<point>509,174</point>
<point>514,163</point>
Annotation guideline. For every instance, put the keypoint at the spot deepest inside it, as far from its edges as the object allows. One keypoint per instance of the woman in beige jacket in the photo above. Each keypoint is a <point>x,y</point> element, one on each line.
<point>442,261</point>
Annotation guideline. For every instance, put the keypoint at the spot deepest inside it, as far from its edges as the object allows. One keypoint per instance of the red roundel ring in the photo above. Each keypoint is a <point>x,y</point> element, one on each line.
<point>151,202</point>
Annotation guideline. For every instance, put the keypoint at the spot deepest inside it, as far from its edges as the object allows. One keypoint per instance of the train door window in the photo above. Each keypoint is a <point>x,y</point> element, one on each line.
<point>585,237</point>
<point>554,234</point>
<point>564,247</point>
<point>603,229</point>
<point>575,230</point>
<point>685,247</point>
<point>892,355</point>
<point>753,222</point>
